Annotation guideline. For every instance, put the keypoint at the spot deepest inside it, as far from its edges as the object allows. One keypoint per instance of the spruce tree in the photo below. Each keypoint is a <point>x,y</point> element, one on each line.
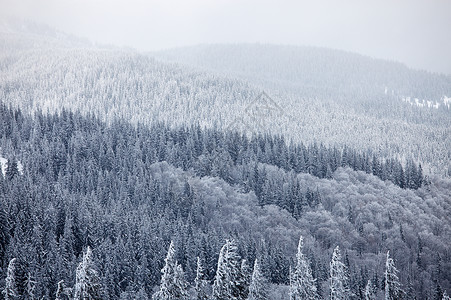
<point>10,292</point>
<point>302,283</point>
<point>12,169</point>
<point>173,284</point>
<point>225,286</point>
<point>258,289</point>
<point>60,291</point>
<point>438,294</point>
<point>244,280</point>
<point>30,286</point>
<point>338,278</point>
<point>392,286</point>
<point>220,285</point>
<point>87,283</point>
<point>200,284</point>
<point>445,296</point>
<point>180,284</point>
<point>370,291</point>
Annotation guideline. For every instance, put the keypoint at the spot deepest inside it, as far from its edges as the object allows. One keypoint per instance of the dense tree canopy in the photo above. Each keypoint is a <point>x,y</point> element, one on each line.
<point>84,183</point>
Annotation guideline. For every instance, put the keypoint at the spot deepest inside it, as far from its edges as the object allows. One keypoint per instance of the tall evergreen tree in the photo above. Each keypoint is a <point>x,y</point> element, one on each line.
<point>30,286</point>
<point>302,283</point>
<point>10,292</point>
<point>370,291</point>
<point>258,289</point>
<point>180,284</point>
<point>173,285</point>
<point>225,286</point>
<point>87,284</point>
<point>60,291</point>
<point>338,277</point>
<point>4,228</point>
<point>244,280</point>
<point>12,169</point>
<point>392,285</point>
<point>445,296</point>
<point>438,295</point>
<point>200,284</point>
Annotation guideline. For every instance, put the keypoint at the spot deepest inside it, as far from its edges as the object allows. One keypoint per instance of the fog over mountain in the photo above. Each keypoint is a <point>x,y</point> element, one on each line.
<point>413,32</point>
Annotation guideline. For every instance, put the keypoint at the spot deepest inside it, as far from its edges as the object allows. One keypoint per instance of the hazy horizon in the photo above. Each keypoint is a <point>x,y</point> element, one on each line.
<point>411,32</point>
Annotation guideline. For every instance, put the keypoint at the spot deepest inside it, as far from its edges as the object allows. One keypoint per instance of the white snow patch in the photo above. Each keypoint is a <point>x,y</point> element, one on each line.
<point>20,167</point>
<point>447,101</point>
<point>3,165</point>
<point>419,103</point>
<point>427,103</point>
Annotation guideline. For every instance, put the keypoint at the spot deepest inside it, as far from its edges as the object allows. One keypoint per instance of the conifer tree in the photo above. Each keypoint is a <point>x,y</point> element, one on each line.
<point>445,296</point>
<point>244,280</point>
<point>4,227</point>
<point>370,291</point>
<point>173,284</point>
<point>30,286</point>
<point>338,278</point>
<point>180,284</point>
<point>258,288</point>
<point>10,292</point>
<point>220,285</point>
<point>60,290</point>
<point>12,169</point>
<point>302,283</point>
<point>225,286</point>
<point>392,286</point>
<point>87,284</point>
<point>438,295</point>
<point>200,282</point>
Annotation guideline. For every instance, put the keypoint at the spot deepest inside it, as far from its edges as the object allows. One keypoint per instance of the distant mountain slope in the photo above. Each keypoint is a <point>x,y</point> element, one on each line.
<point>336,81</point>
<point>122,84</point>
<point>19,34</point>
<point>313,72</point>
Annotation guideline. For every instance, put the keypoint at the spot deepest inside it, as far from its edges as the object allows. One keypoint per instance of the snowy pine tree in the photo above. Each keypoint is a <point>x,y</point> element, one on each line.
<point>302,283</point>
<point>200,282</point>
<point>31,286</point>
<point>258,289</point>
<point>392,285</point>
<point>60,290</point>
<point>370,293</point>
<point>10,290</point>
<point>180,284</point>
<point>445,296</point>
<point>12,169</point>
<point>173,284</point>
<point>338,279</point>
<point>87,283</point>
<point>244,280</point>
<point>225,286</point>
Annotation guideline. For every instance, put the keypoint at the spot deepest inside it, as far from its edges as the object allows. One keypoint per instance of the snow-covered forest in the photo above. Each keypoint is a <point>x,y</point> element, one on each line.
<point>123,176</point>
<point>126,192</point>
<point>316,103</point>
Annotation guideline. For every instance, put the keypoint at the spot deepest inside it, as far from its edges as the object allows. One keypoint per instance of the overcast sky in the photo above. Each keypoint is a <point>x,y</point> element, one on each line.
<point>415,32</point>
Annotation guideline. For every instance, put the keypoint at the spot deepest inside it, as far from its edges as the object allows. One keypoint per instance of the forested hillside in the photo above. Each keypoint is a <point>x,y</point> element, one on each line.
<point>126,192</point>
<point>51,73</point>
<point>345,89</point>
<point>319,73</point>
<point>230,172</point>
